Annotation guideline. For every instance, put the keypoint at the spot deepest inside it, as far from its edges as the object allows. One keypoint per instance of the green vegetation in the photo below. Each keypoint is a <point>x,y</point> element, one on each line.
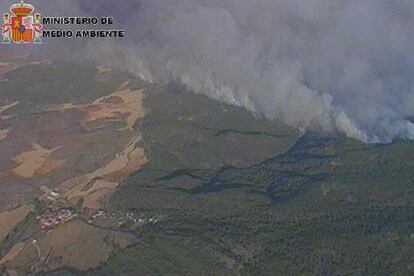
<point>239,195</point>
<point>39,86</point>
<point>256,205</point>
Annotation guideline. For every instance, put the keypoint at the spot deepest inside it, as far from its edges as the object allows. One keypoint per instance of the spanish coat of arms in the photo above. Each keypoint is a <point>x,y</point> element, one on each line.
<point>22,27</point>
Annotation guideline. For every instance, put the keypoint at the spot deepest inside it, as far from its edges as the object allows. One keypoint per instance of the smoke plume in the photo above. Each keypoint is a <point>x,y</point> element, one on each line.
<point>328,65</point>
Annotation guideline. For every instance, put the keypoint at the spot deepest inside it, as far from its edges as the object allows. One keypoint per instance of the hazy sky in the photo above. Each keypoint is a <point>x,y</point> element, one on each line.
<point>330,65</point>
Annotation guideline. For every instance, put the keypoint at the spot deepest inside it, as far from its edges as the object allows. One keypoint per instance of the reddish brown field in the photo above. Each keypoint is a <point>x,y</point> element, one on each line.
<point>16,249</point>
<point>75,244</point>
<point>67,147</point>
<point>10,219</point>
<point>68,156</point>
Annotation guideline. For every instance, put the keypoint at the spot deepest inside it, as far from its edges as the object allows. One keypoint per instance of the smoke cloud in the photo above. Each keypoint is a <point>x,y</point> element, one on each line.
<point>328,65</point>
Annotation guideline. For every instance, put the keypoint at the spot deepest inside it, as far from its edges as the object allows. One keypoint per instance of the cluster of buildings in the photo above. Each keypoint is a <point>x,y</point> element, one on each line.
<point>55,216</point>
<point>136,220</point>
<point>51,219</point>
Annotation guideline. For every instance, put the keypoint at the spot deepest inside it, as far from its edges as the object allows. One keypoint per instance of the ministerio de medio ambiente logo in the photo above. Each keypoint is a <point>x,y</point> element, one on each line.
<point>24,26</point>
<point>21,26</point>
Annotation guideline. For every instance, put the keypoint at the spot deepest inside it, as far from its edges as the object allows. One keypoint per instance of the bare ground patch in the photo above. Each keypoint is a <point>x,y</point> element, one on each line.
<point>29,162</point>
<point>71,145</point>
<point>4,105</point>
<point>13,252</point>
<point>10,219</point>
<point>3,133</point>
<point>93,186</point>
<point>75,244</point>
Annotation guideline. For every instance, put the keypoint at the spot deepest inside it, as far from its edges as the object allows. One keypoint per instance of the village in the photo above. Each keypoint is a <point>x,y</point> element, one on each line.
<point>51,219</point>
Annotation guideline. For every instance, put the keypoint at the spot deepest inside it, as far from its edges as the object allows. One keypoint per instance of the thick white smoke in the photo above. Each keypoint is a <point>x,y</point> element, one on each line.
<point>330,65</point>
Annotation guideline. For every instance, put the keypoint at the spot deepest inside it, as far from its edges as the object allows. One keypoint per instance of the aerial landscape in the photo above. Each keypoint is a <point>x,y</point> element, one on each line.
<point>169,154</point>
